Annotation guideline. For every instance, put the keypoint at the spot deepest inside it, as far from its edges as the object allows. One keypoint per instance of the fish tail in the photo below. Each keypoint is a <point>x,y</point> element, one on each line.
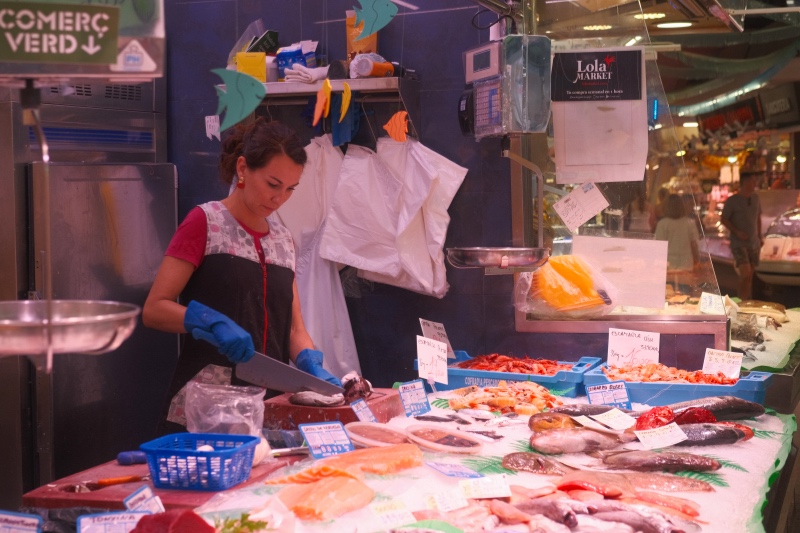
<point>223,100</point>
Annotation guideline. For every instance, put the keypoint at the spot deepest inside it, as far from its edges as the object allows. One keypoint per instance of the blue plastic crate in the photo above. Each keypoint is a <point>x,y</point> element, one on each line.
<point>564,382</point>
<point>751,387</point>
<point>176,463</point>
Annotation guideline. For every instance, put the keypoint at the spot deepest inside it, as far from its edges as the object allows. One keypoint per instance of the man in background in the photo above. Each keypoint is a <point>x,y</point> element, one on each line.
<point>742,216</point>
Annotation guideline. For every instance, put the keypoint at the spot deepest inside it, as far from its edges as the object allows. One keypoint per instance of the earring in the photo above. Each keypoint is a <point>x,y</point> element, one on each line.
<point>240,183</point>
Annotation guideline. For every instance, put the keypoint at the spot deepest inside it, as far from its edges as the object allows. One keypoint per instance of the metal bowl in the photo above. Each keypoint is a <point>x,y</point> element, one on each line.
<point>521,258</point>
<point>79,326</point>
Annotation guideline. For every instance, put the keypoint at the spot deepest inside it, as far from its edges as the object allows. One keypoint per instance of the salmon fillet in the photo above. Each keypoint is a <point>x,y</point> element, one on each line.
<point>379,460</point>
<point>327,498</point>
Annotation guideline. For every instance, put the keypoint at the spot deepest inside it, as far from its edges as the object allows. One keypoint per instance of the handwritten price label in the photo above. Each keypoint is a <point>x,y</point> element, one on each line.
<point>729,363</point>
<point>615,419</point>
<point>432,359</point>
<point>485,487</point>
<point>393,513</point>
<point>631,348</point>
<point>661,437</point>
<point>711,304</point>
<point>580,205</point>
<point>435,331</point>
<point>447,501</point>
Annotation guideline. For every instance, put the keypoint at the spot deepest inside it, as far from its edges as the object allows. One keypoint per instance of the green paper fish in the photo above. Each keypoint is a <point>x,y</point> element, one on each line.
<point>241,96</point>
<point>375,14</point>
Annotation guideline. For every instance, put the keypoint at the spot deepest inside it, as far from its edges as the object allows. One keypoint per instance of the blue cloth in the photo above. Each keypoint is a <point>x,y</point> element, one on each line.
<point>310,362</point>
<point>217,329</point>
<point>343,132</point>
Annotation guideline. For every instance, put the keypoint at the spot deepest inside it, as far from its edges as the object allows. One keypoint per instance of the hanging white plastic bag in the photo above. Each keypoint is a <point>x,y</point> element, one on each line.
<point>227,409</point>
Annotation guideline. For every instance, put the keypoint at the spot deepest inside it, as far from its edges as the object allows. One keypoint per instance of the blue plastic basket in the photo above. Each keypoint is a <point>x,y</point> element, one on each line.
<point>176,463</point>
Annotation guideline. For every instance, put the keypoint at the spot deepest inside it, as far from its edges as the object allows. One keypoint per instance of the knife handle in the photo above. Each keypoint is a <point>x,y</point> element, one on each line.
<point>131,458</point>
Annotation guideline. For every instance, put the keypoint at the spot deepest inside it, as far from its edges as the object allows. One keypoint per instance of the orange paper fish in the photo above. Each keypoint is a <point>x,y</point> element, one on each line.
<point>323,106</point>
<point>397,127</point>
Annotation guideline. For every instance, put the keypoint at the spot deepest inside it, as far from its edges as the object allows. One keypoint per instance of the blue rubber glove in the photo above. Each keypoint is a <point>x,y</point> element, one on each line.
<point>310,362</point>
<point>215,328</point>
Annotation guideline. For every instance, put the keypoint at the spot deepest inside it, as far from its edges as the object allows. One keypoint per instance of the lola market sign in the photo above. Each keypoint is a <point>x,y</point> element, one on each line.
<point>58,33</point>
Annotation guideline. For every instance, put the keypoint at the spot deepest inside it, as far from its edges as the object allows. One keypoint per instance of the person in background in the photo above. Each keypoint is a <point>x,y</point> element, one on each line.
<point>681,235</point>
<point>661,202</point>
<point>741,214</point>
<point>639,215</point>
<point>232,266</point>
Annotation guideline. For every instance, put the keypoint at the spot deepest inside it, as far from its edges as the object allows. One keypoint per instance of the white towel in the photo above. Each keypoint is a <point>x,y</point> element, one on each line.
<point>304,74</point>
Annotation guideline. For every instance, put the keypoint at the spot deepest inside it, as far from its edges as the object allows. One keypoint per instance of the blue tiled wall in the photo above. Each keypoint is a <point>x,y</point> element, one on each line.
<point>477,311</point>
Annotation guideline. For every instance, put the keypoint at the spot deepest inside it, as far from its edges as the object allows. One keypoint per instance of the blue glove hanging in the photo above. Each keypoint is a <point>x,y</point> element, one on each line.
<point>310,362</point>
<point>217,329</point>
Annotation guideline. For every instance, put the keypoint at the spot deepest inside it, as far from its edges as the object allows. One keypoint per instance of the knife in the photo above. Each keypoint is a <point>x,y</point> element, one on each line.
<point>273,374</point>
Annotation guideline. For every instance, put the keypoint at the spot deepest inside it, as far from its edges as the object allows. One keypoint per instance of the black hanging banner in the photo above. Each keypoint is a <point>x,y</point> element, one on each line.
<point>597,75</point>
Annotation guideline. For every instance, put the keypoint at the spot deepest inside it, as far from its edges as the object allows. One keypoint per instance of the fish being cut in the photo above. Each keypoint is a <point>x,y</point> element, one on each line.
<point>572,440</point>
<point>711,435</point>
<point>533,462</point>
<point>326,499</point>
<point>646,460</point>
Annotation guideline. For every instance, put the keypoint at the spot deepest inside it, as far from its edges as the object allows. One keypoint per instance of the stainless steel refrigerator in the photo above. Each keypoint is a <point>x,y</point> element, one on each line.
<point>113,209</point>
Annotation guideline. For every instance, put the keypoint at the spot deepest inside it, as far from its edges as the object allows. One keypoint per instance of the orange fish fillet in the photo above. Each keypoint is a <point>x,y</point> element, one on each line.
<point>315,473</point>
<point>327,498</point>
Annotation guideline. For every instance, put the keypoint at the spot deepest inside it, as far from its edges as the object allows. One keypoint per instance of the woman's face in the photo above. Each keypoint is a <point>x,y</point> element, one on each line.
<point>267,188</point>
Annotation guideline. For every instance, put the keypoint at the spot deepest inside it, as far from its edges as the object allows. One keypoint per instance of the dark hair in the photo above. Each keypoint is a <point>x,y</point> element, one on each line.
<point>744,176</point>
<point>674,208</point>
<point>258,142</point>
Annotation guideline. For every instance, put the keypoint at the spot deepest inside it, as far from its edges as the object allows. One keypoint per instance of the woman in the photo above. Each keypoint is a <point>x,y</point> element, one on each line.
<point>234,268</point>
<point>639,214</point>
<point>681,235</point>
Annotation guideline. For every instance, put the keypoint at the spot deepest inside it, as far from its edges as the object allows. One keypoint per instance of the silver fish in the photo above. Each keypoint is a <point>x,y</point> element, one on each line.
<point>661,522</point>
<point>666,482</point>
<point>533,462</point>
<point>583,409</point>
<point>477,414</point>
<point>723,407</point>
<point>572,440</point>
<point>589,524</point>
<point>710,435</point>
<point>636,521</point>
<point>646,460</point>
<point>550,508</point>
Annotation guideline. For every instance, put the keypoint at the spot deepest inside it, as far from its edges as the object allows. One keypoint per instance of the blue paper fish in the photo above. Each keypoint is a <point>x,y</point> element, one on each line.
<point>375,14</point>
<point>241,96</point>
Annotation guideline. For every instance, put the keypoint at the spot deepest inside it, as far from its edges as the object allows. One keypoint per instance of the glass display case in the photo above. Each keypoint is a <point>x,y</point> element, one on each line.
<point>779,261</point>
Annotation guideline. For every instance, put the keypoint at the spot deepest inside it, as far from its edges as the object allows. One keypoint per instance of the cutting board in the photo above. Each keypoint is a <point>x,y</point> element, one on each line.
<point>279,413</point>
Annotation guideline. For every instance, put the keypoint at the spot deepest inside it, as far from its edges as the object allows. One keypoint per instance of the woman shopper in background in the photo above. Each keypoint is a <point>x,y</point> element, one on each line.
<point>232,265</point>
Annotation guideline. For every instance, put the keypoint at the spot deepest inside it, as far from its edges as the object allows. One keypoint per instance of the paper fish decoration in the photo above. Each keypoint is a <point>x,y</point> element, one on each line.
<point>397,127</point>
<point>323,106</point>
<point>375,14</point>
<point>346,95</point>
<point>241,96</point>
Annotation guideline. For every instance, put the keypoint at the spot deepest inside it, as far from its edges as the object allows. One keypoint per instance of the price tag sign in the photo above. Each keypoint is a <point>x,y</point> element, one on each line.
<point>614,393</point>
<point>485,487</point>
<point>212,126</point>
<point>393,513</point>
<point>326,438</point>
<point>19,522</point>
<point>587,422</point>
<point>432,360</point>
<point>729,363</point>
<point>435,331</point>
<point>630,348</point>
<point>454,470</point>
<point>447,501</point>
<point>415,401</point>
<point>362,411</point>
<point>661,437</point>
<point>580,205</point>
<point>144,500</point>
<point>615,419</point>
<point>109,522</point>
<point>711,304</point>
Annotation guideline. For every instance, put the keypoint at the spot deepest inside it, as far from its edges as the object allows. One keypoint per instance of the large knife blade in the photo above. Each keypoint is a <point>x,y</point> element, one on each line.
<point>273,374</point>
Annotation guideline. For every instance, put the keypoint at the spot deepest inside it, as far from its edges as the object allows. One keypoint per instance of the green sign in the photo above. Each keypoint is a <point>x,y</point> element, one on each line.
<point>58,33</point>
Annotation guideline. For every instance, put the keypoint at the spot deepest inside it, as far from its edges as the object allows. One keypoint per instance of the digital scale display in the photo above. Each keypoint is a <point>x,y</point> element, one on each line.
<point>481,60</point>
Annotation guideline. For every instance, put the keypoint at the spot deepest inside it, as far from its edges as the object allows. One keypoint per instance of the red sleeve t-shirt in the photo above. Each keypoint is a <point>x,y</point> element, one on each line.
<point>189,241</point>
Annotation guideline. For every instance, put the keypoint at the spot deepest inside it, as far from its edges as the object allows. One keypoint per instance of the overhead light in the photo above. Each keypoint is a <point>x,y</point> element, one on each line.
<point>672,25</point>
<point>657,127</point>
<point>597,27</point>
<point>680,153</point>
<point>690,124</point>
<point>780,158</point>
<point>634,40</point>
<point>649,16</point>
<point>732,159</point>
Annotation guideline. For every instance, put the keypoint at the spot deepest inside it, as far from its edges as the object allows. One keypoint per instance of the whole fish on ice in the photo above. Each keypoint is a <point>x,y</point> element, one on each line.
<point>723,407</point>
<point>646,460</point>
<point>572,440</point>
<point>711,435</point>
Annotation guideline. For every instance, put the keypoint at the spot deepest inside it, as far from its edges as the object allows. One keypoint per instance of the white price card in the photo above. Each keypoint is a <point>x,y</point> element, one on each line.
<point>614,393</point>
<point>144,500</point>
<point>630,348</point>
<point>19,522</point>
<point>729,363</point>
<point>615,419</point>
<point>415,401</point>
<point>661,437</point>
<point>447,501</point>
<point>212,126</point>
<point>326,438</point>
<point>587,422</point>
<point>711,304</point>
<point>109,522</point>
<point>435,331</point>
<point>393,513</point>
<point>485,487</point>
<point>432,360</point>
<point>453,470</point>
<point>580,205</point>
<point>362,411</point>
